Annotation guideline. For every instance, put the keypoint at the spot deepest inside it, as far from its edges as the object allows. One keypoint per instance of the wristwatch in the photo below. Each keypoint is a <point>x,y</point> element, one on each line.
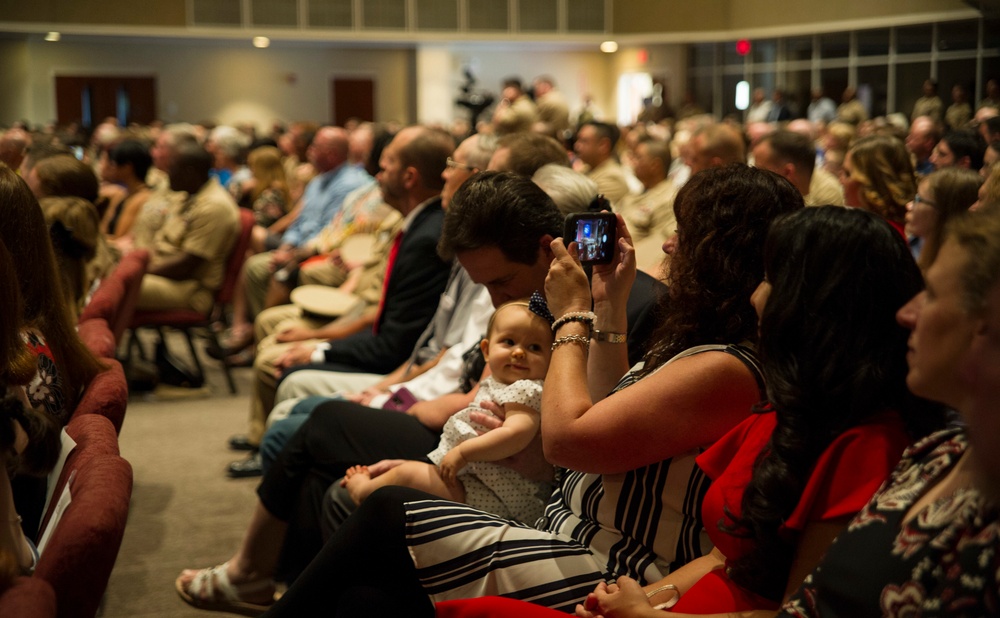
<point>608,337</point>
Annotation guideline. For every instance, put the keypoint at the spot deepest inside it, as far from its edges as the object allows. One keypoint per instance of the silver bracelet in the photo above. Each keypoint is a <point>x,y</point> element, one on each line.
<point>584,341</point>
<point>669,603</point>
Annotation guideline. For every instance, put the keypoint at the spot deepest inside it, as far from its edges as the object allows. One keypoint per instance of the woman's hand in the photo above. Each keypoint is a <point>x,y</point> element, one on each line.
<point>589,608</point>
<point>626,599</point>
<point>567,289</point>
<point>365,397</point>
<point>613,282</point>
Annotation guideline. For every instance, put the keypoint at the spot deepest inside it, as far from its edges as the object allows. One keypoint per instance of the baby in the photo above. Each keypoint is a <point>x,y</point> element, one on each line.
<point>517,349</point>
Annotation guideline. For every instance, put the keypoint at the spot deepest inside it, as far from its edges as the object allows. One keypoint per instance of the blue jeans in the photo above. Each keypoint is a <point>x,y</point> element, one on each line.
<point>279,433</point>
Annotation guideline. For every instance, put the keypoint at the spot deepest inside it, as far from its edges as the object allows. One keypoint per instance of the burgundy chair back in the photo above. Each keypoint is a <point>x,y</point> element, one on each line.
<point>106,395</point>
<point>28,597</point>
<point>98,337</point>
<point>82,548</point>
<point>235,262</point>
<point>130,272</point>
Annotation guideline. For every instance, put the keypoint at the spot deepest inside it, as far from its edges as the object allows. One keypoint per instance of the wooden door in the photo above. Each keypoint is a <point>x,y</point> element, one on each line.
<point>89,99</point>
<point>353,97</point>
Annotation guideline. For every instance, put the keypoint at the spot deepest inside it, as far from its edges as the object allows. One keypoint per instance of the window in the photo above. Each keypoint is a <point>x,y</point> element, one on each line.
<point>914,39</point>
<point>873,42</point>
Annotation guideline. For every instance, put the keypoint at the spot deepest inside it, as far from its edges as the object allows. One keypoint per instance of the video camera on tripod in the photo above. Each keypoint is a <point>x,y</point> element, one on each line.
<point>476,101</point>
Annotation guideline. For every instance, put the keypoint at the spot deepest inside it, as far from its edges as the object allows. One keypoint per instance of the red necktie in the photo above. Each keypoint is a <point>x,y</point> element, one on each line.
<point>390,263</point>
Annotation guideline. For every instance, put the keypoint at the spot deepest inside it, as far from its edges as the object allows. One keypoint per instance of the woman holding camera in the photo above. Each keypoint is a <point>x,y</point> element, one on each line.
<point>628,503</point>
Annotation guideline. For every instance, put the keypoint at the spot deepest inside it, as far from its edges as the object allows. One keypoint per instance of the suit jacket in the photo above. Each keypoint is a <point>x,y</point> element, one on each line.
<point>415,285</point>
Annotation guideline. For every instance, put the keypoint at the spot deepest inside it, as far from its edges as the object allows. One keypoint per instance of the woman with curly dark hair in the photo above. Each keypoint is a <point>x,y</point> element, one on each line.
<point>837,418</point>
<point>627,501</point>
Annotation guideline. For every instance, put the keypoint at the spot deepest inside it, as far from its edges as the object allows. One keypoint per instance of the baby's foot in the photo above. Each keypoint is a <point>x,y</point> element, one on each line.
<point>355,470</point>
<point>356,480</point>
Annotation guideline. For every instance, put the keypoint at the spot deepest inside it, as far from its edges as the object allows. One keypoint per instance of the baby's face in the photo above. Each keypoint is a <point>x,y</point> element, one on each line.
<point>519,346</point>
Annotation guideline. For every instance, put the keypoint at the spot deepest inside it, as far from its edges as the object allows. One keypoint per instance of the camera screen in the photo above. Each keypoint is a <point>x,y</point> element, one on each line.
<point>592,239</point>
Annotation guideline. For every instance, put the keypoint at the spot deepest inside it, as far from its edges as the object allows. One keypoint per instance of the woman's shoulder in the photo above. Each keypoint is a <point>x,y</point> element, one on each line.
<point>718,362</point>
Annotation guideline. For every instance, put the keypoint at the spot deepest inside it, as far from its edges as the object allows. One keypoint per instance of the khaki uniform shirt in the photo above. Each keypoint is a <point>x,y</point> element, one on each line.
<point>651,213</point>
<point>205,225</point>
<point>610,180</point>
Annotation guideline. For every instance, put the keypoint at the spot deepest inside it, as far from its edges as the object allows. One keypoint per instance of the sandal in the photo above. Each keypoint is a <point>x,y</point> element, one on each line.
<point>211,590</point>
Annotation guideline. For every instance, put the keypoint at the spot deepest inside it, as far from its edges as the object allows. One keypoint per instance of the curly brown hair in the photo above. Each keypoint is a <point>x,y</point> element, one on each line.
<point>722,219</point>
<point>883,168</point>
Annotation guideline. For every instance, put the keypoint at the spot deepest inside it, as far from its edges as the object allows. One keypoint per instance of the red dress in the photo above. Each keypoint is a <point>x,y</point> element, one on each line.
<point>846,475</point>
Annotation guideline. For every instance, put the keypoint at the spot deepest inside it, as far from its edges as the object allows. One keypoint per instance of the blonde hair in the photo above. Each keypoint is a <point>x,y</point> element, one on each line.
<point>953,190</point>
<point>842,133</point>
<point>882,166</point>
<point>74,228</point>
<point>265,163</point>
<point>991,191</point>
<point>978,233</point>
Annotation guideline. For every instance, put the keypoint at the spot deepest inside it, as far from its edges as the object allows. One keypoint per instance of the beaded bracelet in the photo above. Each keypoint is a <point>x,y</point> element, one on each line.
<point>586,317</point>
<point>669,603</point>
<point>584,341</point>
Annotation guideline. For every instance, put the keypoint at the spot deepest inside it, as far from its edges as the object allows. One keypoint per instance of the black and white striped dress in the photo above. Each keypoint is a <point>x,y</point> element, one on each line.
<point>641,523</point>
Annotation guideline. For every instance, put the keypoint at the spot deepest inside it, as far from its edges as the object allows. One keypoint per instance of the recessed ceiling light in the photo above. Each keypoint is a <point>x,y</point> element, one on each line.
<point>261,42</point>
<point>609,47</point>
<point>53,36</point>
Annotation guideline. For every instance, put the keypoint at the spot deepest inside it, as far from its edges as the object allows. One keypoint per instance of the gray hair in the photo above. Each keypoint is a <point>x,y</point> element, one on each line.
<point>231,141</point>
<point>482,151</point>
<point>571,191</point>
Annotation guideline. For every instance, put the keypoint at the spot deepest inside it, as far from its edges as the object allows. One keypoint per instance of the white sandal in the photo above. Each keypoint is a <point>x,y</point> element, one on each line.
<point>211,590</point>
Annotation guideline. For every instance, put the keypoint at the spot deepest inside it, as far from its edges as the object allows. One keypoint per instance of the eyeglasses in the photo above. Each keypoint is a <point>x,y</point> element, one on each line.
<point>920,200</point>
<point>453,164</point>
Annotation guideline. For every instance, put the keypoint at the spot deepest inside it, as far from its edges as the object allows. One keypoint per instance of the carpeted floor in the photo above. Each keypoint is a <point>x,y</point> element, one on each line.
<point>185,511</point>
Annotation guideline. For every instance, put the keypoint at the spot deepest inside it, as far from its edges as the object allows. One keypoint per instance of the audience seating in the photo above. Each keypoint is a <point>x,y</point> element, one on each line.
<point>106,395</point>
<point>187,320</point>
<point>83,547</point>
<point>28,597</point>
<point>118,294</point>
<point>97,336</point>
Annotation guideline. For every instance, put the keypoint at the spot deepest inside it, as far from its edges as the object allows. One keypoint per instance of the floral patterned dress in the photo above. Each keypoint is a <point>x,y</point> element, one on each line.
<point>45,390</point>
<point>943,562</point>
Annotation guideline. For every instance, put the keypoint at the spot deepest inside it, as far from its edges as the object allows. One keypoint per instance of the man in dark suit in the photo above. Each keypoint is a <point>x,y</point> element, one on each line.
<point>410,179</point>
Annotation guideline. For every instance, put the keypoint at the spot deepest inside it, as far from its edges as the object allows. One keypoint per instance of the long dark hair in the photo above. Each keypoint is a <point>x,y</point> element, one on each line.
<point>832,356</point>
<point>26,236</point>
<point>722,220</point>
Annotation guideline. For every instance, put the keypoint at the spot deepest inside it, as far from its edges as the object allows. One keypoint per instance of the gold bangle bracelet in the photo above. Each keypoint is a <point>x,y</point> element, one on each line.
<point>609,337</point>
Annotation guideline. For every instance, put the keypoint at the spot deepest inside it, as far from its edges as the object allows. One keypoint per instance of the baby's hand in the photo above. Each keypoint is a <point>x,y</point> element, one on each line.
<point>451,465</point>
